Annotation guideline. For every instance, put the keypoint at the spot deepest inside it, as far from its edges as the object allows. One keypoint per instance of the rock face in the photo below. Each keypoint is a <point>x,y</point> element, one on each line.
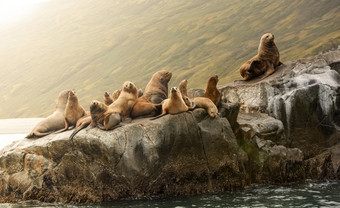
<point>281,129</point>
<point>304,95</point>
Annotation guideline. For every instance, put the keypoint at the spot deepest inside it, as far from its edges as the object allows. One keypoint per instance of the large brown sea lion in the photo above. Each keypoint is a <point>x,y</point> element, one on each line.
<point>212,92</point>
<point>265,62</point>
<point>55,121</point>
<point>126,100</point>
<point>207,104</point>
<point>173,105</point>
<point>155,92</point>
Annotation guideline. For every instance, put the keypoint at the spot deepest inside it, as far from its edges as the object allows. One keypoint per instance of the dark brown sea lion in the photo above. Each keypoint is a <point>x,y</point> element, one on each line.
<point>155,92</point>
<point>265,62</point>
<point>55,121</point>
<point>212,92</point>
<point>173,105</point>
<point>126,100</point>
<point>207,104</point>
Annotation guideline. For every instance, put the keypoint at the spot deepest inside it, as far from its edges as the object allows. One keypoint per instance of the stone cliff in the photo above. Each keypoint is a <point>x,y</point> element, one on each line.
<point>281,129</point>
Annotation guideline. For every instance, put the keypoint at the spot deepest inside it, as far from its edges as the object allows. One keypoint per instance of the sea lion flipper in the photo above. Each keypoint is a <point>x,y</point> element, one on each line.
<point>78,130</point>
<point>154,118</point>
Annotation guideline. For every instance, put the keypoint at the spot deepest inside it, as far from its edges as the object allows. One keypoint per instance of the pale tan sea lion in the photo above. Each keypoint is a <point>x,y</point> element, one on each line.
<point>212,92</point>
<point>173,105</point>
<point>207,104</point>
<point>126,100</point>
<point>55,121</point>
<point>265,62</point>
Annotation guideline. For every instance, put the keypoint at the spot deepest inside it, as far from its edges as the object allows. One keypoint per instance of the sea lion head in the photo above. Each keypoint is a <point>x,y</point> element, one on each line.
<point>106,94</point>
<point>184,82</point>
<point>97,106</point>
<point>130,87</point>
<point>214,80</point>
<point>164,76</point>
<point>72,96</point>
<point>62,99</point>
<point>267,38</point>
<point>175,92</point>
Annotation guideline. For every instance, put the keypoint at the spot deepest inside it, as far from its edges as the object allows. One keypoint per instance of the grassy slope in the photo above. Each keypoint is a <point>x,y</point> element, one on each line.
<point>94,46</point>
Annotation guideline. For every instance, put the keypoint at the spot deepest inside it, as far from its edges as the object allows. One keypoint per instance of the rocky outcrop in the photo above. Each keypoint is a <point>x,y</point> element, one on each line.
<point>281,129</point>
<point>304,95</point>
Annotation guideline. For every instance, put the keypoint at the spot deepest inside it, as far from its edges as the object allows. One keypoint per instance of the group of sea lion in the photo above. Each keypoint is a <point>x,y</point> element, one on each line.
<point>129,102</point>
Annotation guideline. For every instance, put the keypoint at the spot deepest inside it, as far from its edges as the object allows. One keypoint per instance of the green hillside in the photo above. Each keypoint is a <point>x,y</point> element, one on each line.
<point>94,46</point>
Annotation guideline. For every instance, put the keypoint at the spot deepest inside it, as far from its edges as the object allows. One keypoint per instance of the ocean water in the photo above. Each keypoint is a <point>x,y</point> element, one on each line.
<point>308,194</point>
<point>6,139</point>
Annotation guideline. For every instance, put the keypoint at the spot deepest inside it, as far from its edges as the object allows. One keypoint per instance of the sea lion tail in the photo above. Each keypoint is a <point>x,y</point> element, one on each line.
<point>78,130</point>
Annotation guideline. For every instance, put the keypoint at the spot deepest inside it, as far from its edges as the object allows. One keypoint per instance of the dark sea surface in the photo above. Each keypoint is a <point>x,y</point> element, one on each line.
<point>308,194</point>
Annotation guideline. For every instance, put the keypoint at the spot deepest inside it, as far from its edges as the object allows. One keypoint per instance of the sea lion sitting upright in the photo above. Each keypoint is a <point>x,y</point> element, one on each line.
<point>212,92</point>
<point>126,100</point>
<point>183,88</point>
<point>265,62</point>
<point>73,111</point>
<point>108,100</point>
<point>116,94</point>
<point>207,104</point>
<point>155,92</point>
<point>173,105</point>
<point>55,121</point>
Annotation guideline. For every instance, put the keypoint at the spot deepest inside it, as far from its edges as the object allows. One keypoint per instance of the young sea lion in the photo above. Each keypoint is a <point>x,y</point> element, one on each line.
<point>55,121</point>
<point>174,104</point>
<point>265,62</point>
<point>155,92</point>
<point>212,92</point>
<point>126,100</point>
<point>73,111</point>
<point>207,104</point>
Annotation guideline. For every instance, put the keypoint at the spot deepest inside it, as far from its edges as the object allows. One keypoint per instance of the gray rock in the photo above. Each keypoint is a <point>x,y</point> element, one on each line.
<point>184,154</point>
<point>304,95</point>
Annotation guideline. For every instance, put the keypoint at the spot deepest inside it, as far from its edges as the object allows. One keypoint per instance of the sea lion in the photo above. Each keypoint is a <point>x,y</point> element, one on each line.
<point>73,111</point>
<point>157,88</point>
<point>174,104</point>
<point>265,62</point>
<point>108,100</point>
<point>207,104</point>
<point>126,100</point>
<point>183,87</point>
<point>55,121</point>
<point>140,92</point>
<point>155,92</point>
<point>212,92</point>
<point>103,116</point>
<point>116,94</point>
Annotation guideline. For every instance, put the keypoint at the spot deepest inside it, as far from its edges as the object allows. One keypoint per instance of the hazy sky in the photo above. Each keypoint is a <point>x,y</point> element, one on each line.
<point>12,11</point>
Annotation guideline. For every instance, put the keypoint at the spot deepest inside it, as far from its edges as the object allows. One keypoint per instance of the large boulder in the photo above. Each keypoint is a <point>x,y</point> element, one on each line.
<point>182,154</point>
<point>304,95</point>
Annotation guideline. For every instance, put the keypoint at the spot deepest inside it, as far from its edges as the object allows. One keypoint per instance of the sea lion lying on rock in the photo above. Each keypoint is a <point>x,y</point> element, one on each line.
<point>265,62</point>
<point>55,121</point>
<point>173,105</point>
<point>207,104</point>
